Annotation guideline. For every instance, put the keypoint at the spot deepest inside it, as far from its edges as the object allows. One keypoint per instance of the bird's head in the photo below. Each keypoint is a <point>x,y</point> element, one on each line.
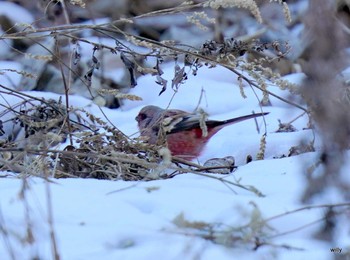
<point>147,115</point>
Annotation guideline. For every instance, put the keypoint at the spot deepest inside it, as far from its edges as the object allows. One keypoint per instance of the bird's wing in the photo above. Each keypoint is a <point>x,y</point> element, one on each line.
<point>186,123</point>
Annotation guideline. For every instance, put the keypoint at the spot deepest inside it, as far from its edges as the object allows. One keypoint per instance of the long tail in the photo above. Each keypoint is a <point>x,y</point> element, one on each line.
<point>234,120</point>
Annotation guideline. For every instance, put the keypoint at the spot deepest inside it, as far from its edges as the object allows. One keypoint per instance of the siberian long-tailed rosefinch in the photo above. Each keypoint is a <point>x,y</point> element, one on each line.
<point>182,131</point>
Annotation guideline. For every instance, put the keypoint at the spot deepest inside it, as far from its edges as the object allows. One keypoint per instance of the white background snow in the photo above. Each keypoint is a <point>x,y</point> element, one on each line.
<point>101,219</point>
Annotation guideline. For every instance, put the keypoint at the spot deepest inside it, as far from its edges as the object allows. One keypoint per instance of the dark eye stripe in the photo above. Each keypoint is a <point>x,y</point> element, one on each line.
<point>141,117</point>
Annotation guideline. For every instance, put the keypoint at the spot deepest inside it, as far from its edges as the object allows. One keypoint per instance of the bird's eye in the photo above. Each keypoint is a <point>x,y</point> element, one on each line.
<point>141,117</point>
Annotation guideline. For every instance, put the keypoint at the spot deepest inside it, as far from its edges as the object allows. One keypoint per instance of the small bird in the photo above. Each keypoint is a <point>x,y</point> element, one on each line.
<point>182,131</point>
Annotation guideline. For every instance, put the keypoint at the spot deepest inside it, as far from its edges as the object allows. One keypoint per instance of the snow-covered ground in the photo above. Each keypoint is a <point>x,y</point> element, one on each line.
<point>169,219</point>
<point>137,220</point>
<point>100,219</point>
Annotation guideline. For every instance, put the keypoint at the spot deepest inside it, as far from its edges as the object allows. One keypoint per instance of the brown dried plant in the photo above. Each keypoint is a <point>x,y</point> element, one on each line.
<point>110,154</point>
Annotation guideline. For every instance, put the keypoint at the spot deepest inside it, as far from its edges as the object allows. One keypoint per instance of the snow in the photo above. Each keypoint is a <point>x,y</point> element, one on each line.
<point>16,13</point>
<point>135,220</point>
<point>101,219</point>
<point>96,219</point>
